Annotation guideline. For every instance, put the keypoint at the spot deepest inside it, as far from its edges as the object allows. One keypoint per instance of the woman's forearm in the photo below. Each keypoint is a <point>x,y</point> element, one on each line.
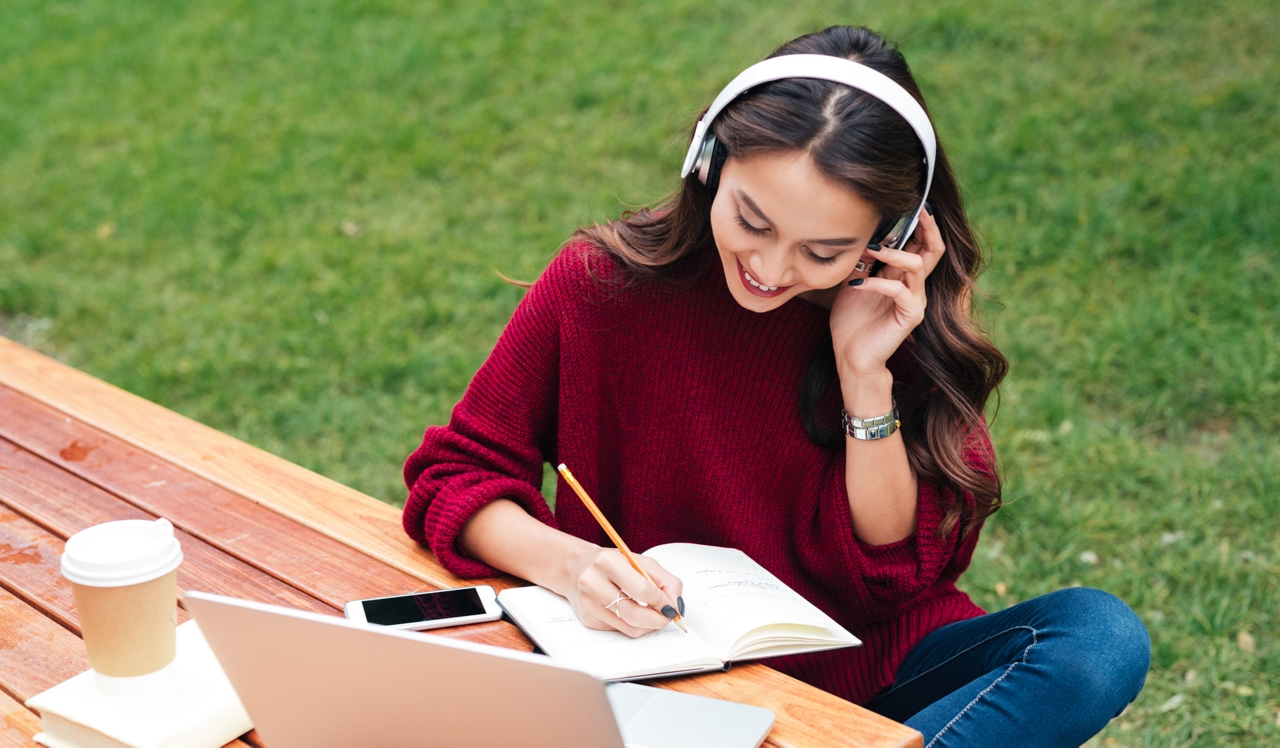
<point>878,478</point>
<point>504,536</point>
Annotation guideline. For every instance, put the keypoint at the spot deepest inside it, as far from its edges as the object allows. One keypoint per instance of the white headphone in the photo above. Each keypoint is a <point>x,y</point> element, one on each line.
<point>837,70</point>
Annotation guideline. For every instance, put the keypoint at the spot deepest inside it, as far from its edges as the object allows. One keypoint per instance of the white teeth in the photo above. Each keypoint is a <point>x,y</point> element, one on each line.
<point>756,283</point>
<point>753,282</point>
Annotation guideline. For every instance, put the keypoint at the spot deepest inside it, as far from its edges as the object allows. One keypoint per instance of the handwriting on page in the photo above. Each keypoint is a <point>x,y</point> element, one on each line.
<point>603,652</point>
<point>729,595</point>
<point>746,583</point>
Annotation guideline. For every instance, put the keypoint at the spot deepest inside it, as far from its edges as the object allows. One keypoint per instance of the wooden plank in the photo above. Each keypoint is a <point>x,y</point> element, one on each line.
<point>29,568</point>
<point>18,724</point>
<point>63,505</point>
<point>328,570</point>
<point>35,652</point>
<point>807,716</point>
<point>324,505</point>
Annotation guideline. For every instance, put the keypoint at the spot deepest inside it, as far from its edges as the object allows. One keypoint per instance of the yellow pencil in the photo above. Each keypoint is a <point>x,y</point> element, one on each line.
<point>613,534</point>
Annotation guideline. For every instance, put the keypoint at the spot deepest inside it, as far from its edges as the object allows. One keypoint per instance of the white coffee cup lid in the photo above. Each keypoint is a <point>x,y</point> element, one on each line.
<point>116,554</point>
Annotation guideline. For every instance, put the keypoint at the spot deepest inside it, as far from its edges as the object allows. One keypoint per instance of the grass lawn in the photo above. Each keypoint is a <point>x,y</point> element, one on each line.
<point>282,219</point>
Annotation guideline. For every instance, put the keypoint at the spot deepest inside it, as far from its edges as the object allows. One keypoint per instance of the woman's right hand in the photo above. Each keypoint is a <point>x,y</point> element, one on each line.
<point>506,537</point>
<point>597,576</point>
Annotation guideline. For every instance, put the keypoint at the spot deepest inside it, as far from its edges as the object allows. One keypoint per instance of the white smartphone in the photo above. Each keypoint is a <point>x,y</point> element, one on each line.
<point>428,610</point>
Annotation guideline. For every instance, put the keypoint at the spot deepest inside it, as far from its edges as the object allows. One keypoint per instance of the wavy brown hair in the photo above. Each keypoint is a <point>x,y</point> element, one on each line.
<point>861,142</point>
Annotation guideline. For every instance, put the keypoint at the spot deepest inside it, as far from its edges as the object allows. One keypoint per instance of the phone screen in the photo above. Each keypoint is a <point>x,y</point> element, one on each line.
<point>427,606</point>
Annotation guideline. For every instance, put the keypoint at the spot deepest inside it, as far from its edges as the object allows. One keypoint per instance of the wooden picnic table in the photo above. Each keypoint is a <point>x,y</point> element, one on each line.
<point>76,451</point>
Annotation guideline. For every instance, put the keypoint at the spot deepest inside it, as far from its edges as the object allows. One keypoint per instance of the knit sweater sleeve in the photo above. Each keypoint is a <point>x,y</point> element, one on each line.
<point>493,446</point>
<point>900,571</point>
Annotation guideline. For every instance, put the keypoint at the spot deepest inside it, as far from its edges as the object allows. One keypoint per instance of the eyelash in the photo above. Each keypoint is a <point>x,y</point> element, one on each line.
<point>760,232</point>
<point>749,228</point>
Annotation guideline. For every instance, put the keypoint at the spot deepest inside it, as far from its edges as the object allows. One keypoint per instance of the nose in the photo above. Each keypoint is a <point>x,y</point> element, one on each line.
<point>768,268</point>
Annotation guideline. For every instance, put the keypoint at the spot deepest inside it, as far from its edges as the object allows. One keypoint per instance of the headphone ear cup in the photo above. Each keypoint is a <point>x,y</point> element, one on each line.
<point>882,230</point>
<point>718,155</point>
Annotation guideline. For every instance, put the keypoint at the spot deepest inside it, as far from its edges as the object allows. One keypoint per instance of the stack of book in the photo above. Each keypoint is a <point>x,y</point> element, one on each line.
<point>196,709</point>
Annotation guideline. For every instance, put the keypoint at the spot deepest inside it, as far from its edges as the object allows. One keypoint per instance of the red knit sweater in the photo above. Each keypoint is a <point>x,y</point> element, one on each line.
<point>677,411</point>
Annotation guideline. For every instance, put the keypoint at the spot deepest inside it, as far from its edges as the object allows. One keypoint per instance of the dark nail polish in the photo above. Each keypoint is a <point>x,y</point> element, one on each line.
<point>928,208</point>
<point>680,604</point>
<point>857,281</point>
<point>873,247</point>
<point>669,611</point>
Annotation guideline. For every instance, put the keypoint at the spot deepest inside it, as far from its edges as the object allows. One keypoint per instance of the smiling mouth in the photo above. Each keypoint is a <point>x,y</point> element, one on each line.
<point>757,288</point>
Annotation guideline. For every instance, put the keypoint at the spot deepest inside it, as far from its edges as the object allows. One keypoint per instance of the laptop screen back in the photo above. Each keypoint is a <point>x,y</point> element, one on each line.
<point>311,681</point>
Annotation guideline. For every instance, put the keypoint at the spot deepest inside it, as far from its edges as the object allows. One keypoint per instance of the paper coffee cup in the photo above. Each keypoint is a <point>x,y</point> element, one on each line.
<point>124,576</point>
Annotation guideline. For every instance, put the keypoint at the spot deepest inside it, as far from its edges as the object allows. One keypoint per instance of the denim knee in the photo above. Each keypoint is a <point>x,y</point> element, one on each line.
<point>1107,649</point>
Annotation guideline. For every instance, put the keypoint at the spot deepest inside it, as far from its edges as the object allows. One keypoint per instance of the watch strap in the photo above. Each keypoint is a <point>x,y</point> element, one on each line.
<point>869,429</point>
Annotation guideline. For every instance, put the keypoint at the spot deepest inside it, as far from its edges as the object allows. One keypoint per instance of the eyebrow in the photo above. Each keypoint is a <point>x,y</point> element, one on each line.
<point>842,242</point>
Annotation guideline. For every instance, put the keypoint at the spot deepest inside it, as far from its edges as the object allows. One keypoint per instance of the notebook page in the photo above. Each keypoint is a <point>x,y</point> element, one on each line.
<point>608,655</point>
<point>728,595</point>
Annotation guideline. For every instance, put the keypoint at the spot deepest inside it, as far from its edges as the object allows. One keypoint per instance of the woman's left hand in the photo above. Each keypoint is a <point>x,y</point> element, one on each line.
<point>869,321</point>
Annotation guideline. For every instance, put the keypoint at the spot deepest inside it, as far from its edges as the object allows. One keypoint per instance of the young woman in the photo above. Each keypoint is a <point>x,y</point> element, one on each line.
<point>704,368</point>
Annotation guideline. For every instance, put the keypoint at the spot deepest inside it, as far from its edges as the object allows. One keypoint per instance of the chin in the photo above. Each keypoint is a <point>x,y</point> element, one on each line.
<point>744,295</point>
<point>760,306</point>
<point>752,302</point>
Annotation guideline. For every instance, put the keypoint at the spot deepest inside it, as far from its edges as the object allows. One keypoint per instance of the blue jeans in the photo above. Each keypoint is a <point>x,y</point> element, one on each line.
<point>1051,671</point>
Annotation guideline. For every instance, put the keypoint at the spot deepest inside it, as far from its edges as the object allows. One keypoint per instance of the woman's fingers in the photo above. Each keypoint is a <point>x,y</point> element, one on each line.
<point>607,620</point>
<point>905,261</point>
<point>639,608</point>
<point>927,242</point>
<point>648,600</point>
<point>603,607</point>
<point>918,259</point>
<point>909,305</point>
<point>671,586</point>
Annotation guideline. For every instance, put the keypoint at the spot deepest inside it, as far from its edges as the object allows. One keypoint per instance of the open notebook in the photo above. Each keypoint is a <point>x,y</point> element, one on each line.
<point>735,610</point>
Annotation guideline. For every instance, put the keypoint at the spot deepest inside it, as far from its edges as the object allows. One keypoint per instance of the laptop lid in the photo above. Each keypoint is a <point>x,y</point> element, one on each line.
<point>313,681</point>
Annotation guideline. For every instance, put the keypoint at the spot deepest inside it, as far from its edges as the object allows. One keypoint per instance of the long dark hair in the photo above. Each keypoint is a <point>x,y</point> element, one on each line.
<point>859,141</point>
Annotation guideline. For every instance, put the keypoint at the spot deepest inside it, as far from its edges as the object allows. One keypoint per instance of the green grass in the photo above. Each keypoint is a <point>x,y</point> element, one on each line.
<point>281,219</point>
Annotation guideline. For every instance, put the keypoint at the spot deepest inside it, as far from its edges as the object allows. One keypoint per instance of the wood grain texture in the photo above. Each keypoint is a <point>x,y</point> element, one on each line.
<point>806,716</point>
<point>63,505</point>
<point>329,570</point>
<point>281,548</point>
<point>29,568</point>
<point>328,507</point>
<point>35,652</point>
<point>17,724</point>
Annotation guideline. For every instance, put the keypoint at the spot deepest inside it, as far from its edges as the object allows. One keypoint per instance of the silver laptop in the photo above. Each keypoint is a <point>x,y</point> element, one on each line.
<point>313,681</point>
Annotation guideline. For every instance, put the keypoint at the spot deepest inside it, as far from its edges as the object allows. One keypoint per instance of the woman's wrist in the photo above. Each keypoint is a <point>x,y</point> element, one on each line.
<point>506,537</point>
<point>866,394</point>
<point>573,561</point>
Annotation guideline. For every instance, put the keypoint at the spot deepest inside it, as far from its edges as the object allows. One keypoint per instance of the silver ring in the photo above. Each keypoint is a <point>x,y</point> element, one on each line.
<point>616,605</point>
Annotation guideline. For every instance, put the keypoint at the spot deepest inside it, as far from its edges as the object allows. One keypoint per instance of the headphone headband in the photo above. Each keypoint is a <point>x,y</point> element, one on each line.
<point>836,70</point>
